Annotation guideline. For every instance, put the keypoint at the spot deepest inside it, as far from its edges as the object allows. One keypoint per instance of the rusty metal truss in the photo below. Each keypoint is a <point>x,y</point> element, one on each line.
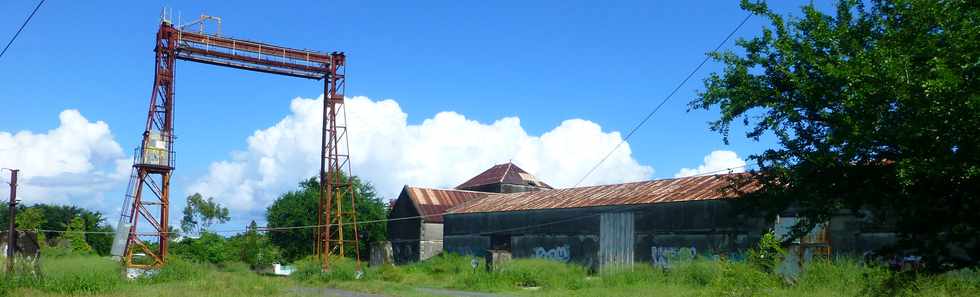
<point>146,205</point>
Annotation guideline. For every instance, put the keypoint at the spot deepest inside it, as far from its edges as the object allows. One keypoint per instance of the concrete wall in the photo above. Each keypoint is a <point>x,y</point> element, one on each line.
<point>431,240</point>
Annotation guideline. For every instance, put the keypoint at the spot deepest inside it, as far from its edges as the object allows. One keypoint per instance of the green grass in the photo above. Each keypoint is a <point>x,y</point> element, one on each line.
<point>697,277</point>
<point>99,276</point>
<point>95,276</point>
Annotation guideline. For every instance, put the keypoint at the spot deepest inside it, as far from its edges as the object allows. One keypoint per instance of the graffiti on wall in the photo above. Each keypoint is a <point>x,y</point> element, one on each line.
<point>662,255</point>
<point>561,253</point>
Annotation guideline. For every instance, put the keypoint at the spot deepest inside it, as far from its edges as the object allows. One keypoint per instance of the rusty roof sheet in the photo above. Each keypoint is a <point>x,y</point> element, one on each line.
<point>646,192</point>
<point>506,173</point>
<point>432,203</point>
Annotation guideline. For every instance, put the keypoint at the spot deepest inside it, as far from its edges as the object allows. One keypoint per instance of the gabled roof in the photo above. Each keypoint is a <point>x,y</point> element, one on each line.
<point>432,203</point>
<point>506,173</point>
<point>647,192</point>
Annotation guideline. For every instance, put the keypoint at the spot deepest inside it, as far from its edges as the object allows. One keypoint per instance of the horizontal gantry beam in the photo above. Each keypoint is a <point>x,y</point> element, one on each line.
<point>251,55</point>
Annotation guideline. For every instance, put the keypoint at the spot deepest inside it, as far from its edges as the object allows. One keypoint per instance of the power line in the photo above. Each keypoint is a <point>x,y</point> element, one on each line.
<point>628,135</point>
<point>21,28</point>
<point>657,108</point>
<point>290,228</point>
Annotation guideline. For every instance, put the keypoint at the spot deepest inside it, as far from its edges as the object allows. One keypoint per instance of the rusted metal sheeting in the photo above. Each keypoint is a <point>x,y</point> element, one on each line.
<point>506,173</point>
<point>655,191</point>
<point>432,203</point>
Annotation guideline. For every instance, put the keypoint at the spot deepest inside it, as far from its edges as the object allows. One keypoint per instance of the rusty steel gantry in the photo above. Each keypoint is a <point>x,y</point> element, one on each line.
<point>148,195</point>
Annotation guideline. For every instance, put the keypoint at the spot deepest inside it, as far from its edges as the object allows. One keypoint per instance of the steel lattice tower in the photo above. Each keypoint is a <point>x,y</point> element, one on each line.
<point>145,214</point>
<point>337,190</point>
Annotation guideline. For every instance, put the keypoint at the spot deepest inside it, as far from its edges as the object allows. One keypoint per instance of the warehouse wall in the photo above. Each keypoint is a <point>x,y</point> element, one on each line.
<point>404,234</point>
<point>708,227</point>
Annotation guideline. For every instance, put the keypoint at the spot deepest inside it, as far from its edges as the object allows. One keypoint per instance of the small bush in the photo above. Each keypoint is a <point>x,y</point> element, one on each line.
<point>209,248</point>
<point>388,273</point>
<point>697,273</point>
<point>543,273</point>
<point>310,269</point>
<point>443,263</point>
<point>768,254</point>
<point>742,279</point>
<point>178,269</point>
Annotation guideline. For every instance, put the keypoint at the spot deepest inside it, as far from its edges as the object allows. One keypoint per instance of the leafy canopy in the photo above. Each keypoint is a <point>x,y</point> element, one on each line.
<point>874,108</point>
<point>200,214</point>
<point>298,208</point>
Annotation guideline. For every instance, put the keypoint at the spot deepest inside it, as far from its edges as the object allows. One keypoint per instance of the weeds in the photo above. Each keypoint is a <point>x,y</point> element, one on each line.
<point>87,275</point>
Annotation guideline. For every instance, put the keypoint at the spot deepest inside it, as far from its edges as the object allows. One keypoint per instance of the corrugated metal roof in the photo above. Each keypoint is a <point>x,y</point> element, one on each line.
<point>655,191</point>
<point>432,203</point>
<point>506,173</point>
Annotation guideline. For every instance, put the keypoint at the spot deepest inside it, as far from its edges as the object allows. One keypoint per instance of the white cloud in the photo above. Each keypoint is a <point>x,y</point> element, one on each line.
<point>75,163</point>
<point>442,151</point>
<point>717,162</point>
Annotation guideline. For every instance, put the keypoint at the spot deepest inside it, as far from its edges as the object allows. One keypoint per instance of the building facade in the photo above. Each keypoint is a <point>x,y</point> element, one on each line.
<point>622,224</point>
<point>416,229</point>
<point>605,225</point>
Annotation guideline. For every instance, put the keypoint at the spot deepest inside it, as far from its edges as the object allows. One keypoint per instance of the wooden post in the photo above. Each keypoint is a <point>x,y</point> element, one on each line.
<point>11,229</point>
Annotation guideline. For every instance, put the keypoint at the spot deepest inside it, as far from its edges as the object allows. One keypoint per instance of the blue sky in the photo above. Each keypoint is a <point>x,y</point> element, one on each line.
<point>543,62</point>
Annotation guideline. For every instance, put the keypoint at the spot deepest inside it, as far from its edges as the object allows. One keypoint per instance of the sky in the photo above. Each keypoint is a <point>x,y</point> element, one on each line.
<point>437,92</point>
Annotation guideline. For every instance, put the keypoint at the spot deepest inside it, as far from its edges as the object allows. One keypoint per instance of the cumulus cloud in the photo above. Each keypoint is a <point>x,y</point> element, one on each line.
<point>442,151</point>
<point>717,162</point>
<point>75,163</point>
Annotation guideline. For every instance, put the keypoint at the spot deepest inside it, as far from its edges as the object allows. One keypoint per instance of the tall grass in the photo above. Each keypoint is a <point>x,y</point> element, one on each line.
<point>87,275</point>
<point>693,277</point>
<point>91,275</point>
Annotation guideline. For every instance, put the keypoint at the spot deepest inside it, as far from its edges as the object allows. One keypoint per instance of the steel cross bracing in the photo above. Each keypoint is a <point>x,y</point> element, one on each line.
<point>146,205</point>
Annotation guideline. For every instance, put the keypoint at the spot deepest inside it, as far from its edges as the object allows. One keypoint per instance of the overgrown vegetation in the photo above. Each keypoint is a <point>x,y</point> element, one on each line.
<point>60,218</point>
<point>697,277</point>
<point>101,276</point>
<point>72,273</point>
<point>875,109</point>
<point>298,208</point>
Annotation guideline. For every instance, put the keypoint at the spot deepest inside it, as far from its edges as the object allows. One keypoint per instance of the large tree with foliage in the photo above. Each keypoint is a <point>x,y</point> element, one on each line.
<point>874,107</point>
<point>59,217</point>
<point>298,208</point>
<point>200,214</point>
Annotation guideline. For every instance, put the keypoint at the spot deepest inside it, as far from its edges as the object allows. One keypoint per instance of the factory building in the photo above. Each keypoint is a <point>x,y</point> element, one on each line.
<point>601,225</point>
<point>415,231</point>
<point>641,222</point>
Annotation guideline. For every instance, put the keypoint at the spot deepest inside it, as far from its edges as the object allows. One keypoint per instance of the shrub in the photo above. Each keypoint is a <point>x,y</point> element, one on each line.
<point>209,248</point>
<point>543,273</point>
<point>742,279</point>
<point>768,253</point>
<point>698,273</point>
<point>341,269</point>
<point>178,269</point>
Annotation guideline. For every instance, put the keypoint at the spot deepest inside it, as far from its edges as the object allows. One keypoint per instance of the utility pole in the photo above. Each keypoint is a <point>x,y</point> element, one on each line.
<point>11,230</point>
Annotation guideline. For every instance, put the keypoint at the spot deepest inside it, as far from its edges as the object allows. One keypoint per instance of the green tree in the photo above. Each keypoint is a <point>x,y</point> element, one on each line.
<point>76,238</point>
<point>58,217</point>
<point>200,214</point>
<point>32,219</point>
<point>208,248</point>
<point>255,248</point>
<point>875,109</point>
<point>298,208</point>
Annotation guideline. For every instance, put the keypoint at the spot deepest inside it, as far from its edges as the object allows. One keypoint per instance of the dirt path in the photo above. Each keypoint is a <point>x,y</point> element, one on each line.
<point>444,292</point>
<point>329,292</point>
<point>333,292</point>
